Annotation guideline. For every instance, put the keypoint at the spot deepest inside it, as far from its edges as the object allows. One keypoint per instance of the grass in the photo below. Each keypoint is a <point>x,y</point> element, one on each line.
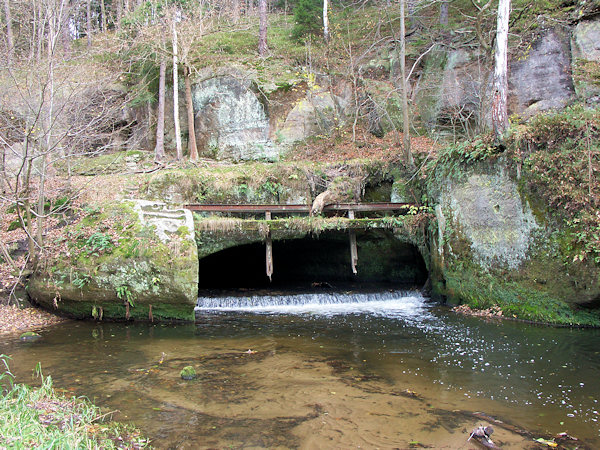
<point>41,418</point>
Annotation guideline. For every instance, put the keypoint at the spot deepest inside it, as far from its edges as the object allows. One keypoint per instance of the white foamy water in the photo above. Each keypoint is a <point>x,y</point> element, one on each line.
<point>389,304</point>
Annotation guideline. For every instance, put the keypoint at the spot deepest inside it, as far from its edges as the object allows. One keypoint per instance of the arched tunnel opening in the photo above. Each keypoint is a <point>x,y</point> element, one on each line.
<point>316,262</point>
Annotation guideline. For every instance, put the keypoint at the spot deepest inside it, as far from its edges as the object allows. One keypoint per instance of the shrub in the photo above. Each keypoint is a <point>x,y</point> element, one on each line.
<point>307,16</point>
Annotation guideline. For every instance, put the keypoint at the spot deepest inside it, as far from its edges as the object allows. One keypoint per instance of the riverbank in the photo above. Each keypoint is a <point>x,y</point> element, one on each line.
<point>18,320</point>
<point>33,417</point>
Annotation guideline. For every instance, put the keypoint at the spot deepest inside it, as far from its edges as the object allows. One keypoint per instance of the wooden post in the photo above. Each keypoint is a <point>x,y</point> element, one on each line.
<point>269,254</point>
<point>353,249</point>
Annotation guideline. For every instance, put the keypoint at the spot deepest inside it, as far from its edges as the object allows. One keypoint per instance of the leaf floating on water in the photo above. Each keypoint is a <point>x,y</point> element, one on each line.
<point>546,442</point>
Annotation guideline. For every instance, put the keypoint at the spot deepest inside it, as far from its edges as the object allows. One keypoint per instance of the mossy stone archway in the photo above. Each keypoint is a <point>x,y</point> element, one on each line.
<point>383,259</point>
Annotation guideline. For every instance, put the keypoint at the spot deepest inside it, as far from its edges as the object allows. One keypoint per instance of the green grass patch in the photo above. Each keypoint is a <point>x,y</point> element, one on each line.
<point>39,417</point>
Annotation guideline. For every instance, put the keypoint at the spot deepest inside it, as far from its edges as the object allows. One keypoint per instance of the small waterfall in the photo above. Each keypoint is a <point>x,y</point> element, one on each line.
<point>321,303</point>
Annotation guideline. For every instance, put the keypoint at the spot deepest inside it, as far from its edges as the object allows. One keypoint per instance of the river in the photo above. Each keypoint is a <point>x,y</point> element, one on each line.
<point>387,370</point>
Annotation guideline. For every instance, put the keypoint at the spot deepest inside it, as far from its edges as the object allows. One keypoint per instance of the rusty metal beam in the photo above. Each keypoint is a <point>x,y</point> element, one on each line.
<point>290,209</point>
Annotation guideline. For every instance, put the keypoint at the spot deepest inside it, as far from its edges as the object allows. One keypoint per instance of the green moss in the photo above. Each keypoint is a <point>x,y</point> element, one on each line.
<point>140,268</point>
<point>105,163</point>
<point>514,298</point>
<point>29,336</point>
<point>188,373</point>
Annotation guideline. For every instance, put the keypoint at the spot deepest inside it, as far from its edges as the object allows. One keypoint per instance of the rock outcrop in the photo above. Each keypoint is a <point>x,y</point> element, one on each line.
<point>585,48</point>
<point>491,248</point>
<point>149,270</point>
<point>541,80</point>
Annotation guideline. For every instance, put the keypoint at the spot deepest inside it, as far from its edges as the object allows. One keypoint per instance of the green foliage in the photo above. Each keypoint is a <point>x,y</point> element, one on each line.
<point>16,224</point>
<point>98,243</point>
<point>451,160</point>
<point>307,17</point>
<point>561,153</point>
<point>41,418</point>
<point>586,71</point>
<point>123,293</point>
<point>81,280</point>
<point>271,188</point>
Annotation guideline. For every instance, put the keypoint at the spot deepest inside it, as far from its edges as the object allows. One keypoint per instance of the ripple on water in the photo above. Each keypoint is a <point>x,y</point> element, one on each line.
<point>378,371</point>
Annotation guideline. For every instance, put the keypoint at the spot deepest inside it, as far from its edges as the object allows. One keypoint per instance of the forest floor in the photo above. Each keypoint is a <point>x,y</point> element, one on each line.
<point>18,320</point>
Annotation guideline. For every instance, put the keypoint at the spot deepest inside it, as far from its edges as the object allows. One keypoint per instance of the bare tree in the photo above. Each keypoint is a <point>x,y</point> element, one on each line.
<point>325,21</point>
<point>444,12</point>
<point>9,34</point>
<point>103,13</point>
<point>176,89</point>
<point>262,31</point>
<point>159,150</point>
<point>88,16</point>
<point>500,87</point>
<point>408,158</point>
<point>192,145</point>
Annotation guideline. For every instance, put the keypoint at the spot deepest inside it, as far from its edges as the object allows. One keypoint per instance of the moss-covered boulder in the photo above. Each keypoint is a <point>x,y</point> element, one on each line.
<point>188,373</point>
<point>133,259</point>
<point>491,247</point>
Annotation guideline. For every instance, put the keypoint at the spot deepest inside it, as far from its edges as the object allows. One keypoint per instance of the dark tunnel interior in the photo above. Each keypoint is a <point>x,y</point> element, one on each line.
<point>322,261</point>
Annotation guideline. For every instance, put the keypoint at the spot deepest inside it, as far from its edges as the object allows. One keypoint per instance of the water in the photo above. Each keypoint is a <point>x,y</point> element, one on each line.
<point>371,371</point>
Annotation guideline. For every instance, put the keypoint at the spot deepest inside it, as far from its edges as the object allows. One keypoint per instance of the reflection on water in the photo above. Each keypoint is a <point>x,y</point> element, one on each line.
<point>378,371</point>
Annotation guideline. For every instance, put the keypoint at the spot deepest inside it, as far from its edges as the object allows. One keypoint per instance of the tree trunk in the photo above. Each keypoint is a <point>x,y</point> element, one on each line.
<point>262,32</point>
<point>88,29</point>
<point>103,12</point>
<point>41,29</point>
<point>408,159</point>
<point>159,150</point>
<point>325,21</point>
<point>9,34</point>
<point>500,89</point>
<point>176,95</point>
<point>444,12</point>
<point>192,146</point>
<point>235,11</point>
<point>119,14</point>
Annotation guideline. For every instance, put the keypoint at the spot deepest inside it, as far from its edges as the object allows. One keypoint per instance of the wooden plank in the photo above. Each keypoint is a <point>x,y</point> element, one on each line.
<point>269,249</point>
<point>262,208</point>
<point>353,248</point>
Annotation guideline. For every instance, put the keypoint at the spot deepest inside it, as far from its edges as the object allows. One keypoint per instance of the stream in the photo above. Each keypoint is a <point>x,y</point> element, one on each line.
<point>370,370</point>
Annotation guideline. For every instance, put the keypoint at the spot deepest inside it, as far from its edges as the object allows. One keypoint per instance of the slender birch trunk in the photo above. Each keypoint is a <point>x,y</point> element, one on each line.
<point>9,33</point>
<point>103,12</point>
<point>325,21</point>
<point>500,89</point>
<point>159,150</point>
<point>88,31</point>
<point>262,32</point>
<point>176,94</point>
<point>408,159</point>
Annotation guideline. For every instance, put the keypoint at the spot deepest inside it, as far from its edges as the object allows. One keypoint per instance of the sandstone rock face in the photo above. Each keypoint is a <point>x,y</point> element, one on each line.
<point>313,115</point>
<point>491,248</point>
<point>585,47</point>
<point>451,92</point>
<point>490,214</point>
<point>231,122</point>
<point>542,80</point>
<point>586,40</point>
